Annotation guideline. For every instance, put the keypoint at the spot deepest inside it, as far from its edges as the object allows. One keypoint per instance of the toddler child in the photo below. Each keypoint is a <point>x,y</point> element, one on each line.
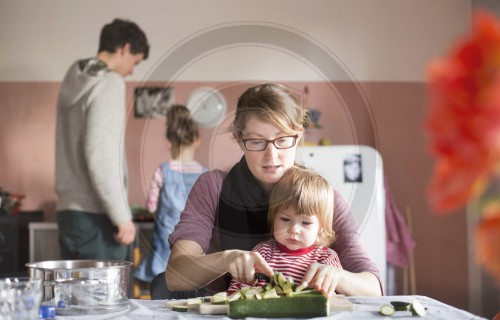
<point>300,219</point>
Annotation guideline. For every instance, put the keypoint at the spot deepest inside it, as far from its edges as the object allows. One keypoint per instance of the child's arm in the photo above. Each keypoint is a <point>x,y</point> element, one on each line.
<point>331,279</point>
<point>331,259</point>
<point>327,276</point>
<point>154,190</point>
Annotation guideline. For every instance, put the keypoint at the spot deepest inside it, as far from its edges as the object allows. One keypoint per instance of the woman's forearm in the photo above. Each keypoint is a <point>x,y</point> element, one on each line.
<point>359,284</point>
<point>189,269</point>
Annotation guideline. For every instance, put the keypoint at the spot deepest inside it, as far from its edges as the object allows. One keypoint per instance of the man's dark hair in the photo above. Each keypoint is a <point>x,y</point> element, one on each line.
<point>120,32</point>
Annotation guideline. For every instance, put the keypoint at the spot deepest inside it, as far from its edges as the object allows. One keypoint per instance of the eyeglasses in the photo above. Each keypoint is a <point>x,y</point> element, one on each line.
<point>261,144</point>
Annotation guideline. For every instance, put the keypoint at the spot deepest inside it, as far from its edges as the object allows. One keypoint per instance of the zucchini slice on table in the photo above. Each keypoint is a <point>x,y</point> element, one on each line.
<point>180,308</point>
<point>387,310</point>
<point>302,306</point>
<point>417,309</point>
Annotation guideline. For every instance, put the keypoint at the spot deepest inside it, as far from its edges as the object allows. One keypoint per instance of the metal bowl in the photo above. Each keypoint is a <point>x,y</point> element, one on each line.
<point>83,286</point>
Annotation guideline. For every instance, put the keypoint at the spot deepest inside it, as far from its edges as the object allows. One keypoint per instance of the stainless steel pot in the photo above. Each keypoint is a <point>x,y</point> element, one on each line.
<point>85,286</point>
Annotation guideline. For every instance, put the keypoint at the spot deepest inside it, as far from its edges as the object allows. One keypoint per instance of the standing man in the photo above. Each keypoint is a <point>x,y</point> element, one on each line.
<point>93,214</point>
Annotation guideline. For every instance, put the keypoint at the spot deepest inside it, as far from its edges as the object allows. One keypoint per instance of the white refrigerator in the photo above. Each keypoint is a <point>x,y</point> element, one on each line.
<point>356,172</point>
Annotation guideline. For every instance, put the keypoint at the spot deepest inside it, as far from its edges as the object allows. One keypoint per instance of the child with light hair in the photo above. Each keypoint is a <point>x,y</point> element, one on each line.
<point>300,218</point>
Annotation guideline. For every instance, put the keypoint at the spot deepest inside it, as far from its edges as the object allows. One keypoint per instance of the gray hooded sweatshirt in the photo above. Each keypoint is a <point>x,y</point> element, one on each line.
<point>91,168</point>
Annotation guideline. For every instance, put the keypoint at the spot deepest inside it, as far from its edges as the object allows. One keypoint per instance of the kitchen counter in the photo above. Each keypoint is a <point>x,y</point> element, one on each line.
<point>365,308</point>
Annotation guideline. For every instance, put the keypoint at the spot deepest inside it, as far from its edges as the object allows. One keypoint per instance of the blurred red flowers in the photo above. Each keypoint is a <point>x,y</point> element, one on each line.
<point>463,124</point>
<point>464,117</point>
<point>487,242</point>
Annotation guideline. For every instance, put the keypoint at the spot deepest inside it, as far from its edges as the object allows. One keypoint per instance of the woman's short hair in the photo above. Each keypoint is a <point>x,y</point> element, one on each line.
<point>307,193</point>
<point>270,102</point>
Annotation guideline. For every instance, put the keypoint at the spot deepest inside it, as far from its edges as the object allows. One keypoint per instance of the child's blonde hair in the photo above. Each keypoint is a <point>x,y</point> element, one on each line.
<point>307,193</point>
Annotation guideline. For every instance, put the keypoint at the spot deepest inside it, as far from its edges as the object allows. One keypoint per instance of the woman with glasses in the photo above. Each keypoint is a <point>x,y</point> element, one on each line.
<point>226,213</point>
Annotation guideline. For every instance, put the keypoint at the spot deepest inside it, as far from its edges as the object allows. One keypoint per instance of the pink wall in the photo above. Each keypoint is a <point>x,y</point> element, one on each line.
<point>388,116</point>
<point>27,131</point>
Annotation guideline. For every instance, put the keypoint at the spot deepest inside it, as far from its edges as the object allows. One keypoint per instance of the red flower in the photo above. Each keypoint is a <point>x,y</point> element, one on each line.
<point>463,121</point>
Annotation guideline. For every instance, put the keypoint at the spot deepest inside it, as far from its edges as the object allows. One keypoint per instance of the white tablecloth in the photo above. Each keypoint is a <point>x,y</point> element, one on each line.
<point>366,308</point>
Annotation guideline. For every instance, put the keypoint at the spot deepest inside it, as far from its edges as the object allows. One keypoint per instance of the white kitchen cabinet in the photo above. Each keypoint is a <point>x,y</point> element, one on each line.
<point>44,245</point>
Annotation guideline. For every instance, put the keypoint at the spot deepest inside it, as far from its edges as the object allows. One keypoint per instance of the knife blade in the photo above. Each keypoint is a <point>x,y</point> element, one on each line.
<point>261,276</point>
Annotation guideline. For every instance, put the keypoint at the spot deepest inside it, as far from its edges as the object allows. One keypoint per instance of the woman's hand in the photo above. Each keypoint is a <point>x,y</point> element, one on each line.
<point>323,278</point>
<point>243,264</point>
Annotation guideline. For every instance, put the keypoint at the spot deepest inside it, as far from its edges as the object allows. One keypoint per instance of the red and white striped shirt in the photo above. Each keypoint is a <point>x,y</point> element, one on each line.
<point>292,263</point>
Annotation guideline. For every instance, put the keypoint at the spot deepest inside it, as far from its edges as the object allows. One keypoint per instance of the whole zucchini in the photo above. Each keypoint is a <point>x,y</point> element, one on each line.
<point>302,306</point>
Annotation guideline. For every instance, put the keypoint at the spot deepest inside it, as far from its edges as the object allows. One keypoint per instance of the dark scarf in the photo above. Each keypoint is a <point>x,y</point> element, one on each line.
<point>243,206</point>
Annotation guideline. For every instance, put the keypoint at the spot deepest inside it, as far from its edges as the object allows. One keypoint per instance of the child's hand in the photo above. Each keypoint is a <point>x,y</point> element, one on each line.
<point>243,264</point>
<point>322,278</point>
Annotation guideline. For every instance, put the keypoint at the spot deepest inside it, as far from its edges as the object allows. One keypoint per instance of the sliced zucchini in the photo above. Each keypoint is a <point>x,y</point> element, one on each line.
<point>171,303</point>
<point>258,289</point>
<point>219,298</point>
<point>250,294</point>
<point>287,288</point>
<point>270,294</point>
<point>235,296</point>
<point>180,308</point>
<point>278,289</point>
<point>294,294</point>
<point>417,309</point>
<point>281,280</point>
<point>222,294</point>
<point>275,278</point>
<point>301,287</point>
<point>387,310</point>
<point>193,301</point>
<point>244,289</point>
<point>400,305</point>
